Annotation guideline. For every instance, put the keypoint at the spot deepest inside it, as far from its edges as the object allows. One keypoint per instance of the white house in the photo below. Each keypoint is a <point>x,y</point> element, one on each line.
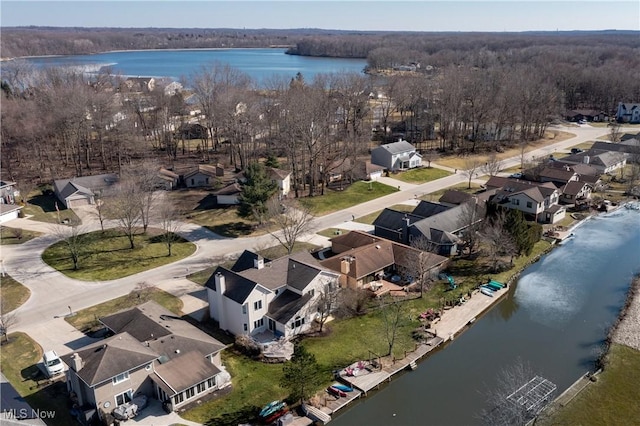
<point>399,155</point>
<point>282,178</point>
<point>628,113</point>
<point>229,195</point>
<point>539,201</point>
<point>9,210</point>
<point>277,297</point>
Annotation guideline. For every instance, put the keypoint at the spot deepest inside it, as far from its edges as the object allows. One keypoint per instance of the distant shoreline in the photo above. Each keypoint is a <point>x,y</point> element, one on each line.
<point>3,59</point>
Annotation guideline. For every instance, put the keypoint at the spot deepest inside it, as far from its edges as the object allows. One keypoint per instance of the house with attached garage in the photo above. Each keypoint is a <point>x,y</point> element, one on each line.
<point>277,297</point>
<point>282,178</point>
<point>399,155</point>
<point>538,201</point>
<point>81,191</point>
<point>201,176</point>
<point>9,209</point>
<point>603,161</point>
<point>628,113</point>
<point>153,353</point>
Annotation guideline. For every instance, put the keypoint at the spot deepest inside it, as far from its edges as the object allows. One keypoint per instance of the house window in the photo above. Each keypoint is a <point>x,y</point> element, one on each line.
<point>201,387</point>
<point>123,398</point>
<point>179,398</point>
<point>193,181</point>
<point>257,305</point>
<point>312,292</point>
<point>206,180</point>
<point>297,323</point>
<point>189,393</point>
<point>529,204</point>
<point>121,378</point>
<point>258,323</point>
<point>245,327</point>
<point>244,309</point>
<point>211,382</point>
<point>515,201</point>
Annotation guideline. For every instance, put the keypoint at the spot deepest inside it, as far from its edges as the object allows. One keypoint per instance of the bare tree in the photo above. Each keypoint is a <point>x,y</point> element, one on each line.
<point>142,179</point>
<point>492,166</point>
<point>392,313</point>
<point>471,216</point>
<point>170,224</point>
<point>99,210</point>
<point>74,238</point>
<point>471,166</point>
<point>421,263</point>
<point>124,206</point>
<point>7,320</point>
<point>429,156</point>
<point>327,302</point>
<point>614,132</point>
<point>292,221</point>
<point>497,240</point>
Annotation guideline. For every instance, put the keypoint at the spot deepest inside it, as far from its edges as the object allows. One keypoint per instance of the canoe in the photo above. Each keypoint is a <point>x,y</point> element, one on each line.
<point>271,407</point>
<point>486,291</point>
<point>498,283</point>
<point>276,415</point>
<point>335,391</point>
<point>342,387</point>
<point>493,286</point>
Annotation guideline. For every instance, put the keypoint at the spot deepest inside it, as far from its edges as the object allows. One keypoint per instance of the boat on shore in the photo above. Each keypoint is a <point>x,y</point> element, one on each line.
<point>336,392</point>
<point>486,291</point>
<point>271,408</point>
<point>343,388</point>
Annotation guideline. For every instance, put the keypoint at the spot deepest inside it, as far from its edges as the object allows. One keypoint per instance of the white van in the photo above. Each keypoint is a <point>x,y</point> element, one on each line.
<point>52,363</point>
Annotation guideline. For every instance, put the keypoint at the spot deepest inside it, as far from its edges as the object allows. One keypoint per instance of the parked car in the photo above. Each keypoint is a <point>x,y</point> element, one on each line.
<point>516,175</point>
<point>576,150</point>
<point>52,363</point>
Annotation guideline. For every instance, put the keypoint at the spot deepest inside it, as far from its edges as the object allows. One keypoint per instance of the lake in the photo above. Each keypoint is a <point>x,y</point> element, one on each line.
<point>260,64</point>
<point>554,320</point>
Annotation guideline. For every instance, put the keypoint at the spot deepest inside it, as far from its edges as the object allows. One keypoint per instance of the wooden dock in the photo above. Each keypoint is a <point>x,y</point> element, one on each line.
<point>333,403</point>
<point>367,380</point>
<point>413,357</point>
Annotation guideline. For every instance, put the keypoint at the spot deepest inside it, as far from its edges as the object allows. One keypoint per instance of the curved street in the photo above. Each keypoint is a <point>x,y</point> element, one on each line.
<point>54,295</point>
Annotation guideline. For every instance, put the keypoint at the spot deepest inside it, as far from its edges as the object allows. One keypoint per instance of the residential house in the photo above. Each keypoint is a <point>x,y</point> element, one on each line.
<point>138,84</point>
<point>443,226</point>
<point>277,297</point>
<point>363,259</point>
<point>538,201</point>
<point>9,208</point>
<point>558,176</point>
<point>630,146</point>
<point>154,353</point>
<point>452,198</point>
<point>228,195</point>
<point>576,115</point>
<point>575,191</point>
<point>167,179</point>
<point>282,179</point>
<point>81,191</point>
<point>201,176</point>
<point>628,113</point>
<point>399,155</point>
<point>603,161</point>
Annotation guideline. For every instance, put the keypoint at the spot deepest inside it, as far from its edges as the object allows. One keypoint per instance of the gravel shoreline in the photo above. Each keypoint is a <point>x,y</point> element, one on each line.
<point>627,331</point>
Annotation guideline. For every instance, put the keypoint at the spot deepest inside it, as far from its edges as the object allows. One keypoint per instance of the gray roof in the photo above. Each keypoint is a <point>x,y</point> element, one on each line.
<point>286,305</point>
<point>397,147</point>
<point>237,287</point>
<point>245,261</point>
<point>107,358</point>
<point>452,196</point>
<point>84,184</point>
<point>184,371</point>
<point>514,185</point>
<point>427,209</point>
<point>299,275</point>
<point>163,330</point>
<point>451,220</point>
<point>596,156</point>
<point>394,219</point>
<point>630,146</point>
<point>574,187</point>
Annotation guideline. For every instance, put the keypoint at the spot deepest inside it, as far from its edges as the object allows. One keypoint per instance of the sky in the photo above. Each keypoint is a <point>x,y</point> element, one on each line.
<point>439,15</point>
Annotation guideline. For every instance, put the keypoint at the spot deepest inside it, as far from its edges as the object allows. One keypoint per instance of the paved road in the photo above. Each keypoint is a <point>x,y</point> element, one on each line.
<point>53,293</point>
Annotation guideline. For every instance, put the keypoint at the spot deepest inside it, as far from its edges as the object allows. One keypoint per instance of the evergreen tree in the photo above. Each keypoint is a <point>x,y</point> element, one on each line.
<point>516,225</point>
<point>301,374</point>
<point>272,161</point>
<point>256,191</point>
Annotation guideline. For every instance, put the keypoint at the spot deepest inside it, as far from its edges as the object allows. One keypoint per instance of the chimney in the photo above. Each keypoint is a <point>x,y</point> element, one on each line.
<point>345,265</point>
<point>585,159</point>
<point>217,310</point>
<point>405,230</point>
<point>76,362</point>
<point>258,262</point>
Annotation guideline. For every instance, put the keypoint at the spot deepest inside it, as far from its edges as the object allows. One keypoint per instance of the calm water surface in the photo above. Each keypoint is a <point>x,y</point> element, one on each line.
<point>260,64</point>
<point>554,320</point>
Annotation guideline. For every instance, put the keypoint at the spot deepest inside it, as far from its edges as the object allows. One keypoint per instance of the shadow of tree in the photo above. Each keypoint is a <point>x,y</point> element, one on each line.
<point>47,203</point>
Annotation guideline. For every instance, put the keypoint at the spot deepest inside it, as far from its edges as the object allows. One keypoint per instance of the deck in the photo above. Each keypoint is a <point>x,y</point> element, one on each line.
<point>367,380</point>
<point>333,403</point>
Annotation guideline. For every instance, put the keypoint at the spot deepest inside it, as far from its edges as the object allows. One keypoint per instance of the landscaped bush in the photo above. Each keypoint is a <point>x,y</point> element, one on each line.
<point>247,346</point>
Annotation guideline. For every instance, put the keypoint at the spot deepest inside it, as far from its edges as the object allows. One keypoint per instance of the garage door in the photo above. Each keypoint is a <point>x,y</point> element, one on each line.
<point>79,202</point>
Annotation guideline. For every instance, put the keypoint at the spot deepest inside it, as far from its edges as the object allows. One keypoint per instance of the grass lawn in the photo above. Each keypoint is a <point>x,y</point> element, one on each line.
<point>87,319</point>
<point>463,187</point>
<point>357,193</point>
<point>16,235</point>
<point>254,385</point>
<point>421,175</point>
<point>43,209</point>
<point>12,294</point>
<point>612,400</point>
<point>106,256</point>
<point>332,232</point>
<point>18,360</point>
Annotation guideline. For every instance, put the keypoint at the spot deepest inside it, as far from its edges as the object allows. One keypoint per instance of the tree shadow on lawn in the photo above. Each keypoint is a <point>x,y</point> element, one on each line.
<point>232,229</point>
